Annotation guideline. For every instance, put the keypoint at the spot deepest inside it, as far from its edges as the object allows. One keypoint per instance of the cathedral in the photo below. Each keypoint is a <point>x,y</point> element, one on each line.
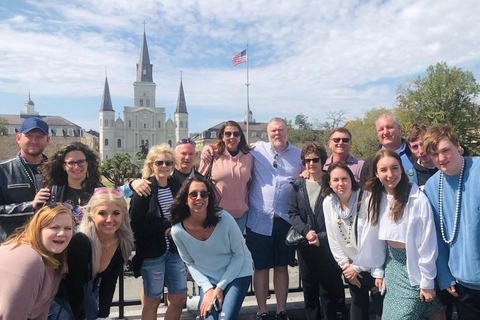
<point>144,124</point>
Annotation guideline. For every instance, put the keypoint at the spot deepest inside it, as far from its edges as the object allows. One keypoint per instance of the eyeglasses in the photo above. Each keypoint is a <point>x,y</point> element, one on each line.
<point>79,163</point>
<point>184,141</point>
<point>275,163</point>
<point>228,134</point>
<point>314,160</point>
<point>160,163</point>
<point>194,194</point>
<point>344,140</point>
<point>105,190</point>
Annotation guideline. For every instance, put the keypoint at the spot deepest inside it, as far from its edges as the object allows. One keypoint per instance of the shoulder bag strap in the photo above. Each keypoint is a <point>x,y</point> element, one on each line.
<point>359,204</point>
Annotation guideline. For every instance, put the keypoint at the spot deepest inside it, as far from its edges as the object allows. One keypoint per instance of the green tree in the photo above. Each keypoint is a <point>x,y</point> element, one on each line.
<point>119,169</point>
<point>3,127</point>
<point>443,95</point>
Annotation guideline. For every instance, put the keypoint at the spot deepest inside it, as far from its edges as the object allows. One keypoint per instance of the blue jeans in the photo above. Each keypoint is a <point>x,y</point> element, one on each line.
<point>168,270</point>
<point>90,306</point>
<point>60,305</point>
<point>233,297</point>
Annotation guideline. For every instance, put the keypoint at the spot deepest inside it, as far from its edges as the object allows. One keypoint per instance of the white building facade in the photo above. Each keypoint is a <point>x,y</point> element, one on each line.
<point>144,124</point>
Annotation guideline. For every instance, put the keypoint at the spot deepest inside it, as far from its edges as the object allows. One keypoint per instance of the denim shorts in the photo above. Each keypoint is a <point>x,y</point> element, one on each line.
<point>167,270</point>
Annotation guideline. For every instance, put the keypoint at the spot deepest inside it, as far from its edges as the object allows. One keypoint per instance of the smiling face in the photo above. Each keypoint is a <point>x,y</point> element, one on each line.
<point>195,201</point>
<point>389,172</point>
<point>447,157</point>
<point>340,147</point>
<point>231,138</point>
<point>162,167</point>
<point>75,165</point>
<point>341,183</point>
<point>310,164</point>
<point>56,236</point>
<point>107,218</point>
<point>388,132</point>
<point>32,144</point>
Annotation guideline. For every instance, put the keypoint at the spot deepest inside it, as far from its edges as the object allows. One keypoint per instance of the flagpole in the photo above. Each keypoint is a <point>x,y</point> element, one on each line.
<point>248,99</point>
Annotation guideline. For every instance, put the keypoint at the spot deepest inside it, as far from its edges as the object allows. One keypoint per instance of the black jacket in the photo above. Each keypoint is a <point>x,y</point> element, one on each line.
<point>149,225</point>
<point>300,208</point>
<point>16,196</point>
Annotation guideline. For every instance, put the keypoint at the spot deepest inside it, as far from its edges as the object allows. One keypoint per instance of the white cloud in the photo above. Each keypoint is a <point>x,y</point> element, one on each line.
<point>305,55</point>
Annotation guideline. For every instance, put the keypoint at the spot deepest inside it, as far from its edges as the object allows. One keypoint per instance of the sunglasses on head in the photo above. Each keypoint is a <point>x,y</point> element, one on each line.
<point>194,194</point>
<point>344,140</point>
<point>105,190</point>
<point>228,134</point>
<point>185,141</point>
<point>314,160</point>
<point>79,163</point>
<point>160,163</point>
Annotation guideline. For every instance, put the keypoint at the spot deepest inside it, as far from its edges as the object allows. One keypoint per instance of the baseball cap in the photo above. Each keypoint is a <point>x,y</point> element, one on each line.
<point>34,123</point>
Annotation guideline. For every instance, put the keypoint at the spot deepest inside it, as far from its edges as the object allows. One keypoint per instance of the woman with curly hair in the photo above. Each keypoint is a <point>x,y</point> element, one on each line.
<point>32,262</point>
<point>96,257</point>
<point>229,164</point>
<point>70,176</point>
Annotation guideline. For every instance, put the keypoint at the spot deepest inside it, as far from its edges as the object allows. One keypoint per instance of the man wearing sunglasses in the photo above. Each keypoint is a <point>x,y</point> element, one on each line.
<point>340,142</point>
<point>276,165</point>
<point>19,177</point>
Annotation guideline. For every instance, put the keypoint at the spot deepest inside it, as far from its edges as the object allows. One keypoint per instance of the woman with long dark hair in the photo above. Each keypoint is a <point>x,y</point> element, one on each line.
<point>70,176</point>
<point>344,222</point>
<point>32,262</point>
<point>213,248</point>
<point>229,164</point>
<point>318,268</point>
<point>400,238</point>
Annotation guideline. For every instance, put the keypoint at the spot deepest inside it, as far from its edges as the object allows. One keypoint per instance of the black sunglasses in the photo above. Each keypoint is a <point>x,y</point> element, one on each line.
<point>194,194</point>
<point>53,204</point>
<point>160,163</point>
<point>314,160</point>
<point>228,134</point>
<point>344,140</point>
<point>275,163</point>
<point>185,141</point>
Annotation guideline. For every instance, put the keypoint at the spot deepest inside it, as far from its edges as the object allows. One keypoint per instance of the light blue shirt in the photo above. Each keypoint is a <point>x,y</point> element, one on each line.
<point>460,260</point>
<point>220,259</point>
<point>270,191</point>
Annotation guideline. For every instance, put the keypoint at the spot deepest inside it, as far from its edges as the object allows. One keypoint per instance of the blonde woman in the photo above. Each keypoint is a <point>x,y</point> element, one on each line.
<point>32,261</point>
<point>96,257</point>
<point>155,248</point>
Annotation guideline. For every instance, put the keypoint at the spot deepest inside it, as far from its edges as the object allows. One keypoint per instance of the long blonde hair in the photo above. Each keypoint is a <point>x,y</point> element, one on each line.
<point>30,234</point>
<point>124,232</point>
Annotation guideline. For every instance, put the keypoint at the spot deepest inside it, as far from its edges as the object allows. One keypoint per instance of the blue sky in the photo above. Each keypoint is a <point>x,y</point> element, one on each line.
<point>305,56</point>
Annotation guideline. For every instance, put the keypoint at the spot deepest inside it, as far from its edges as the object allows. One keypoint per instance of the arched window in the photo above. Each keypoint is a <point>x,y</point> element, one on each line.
<point>119,143</point>
<point>129,123</point>
<point>170,143</point>
<point>105,122</point>
<point>159,124</point>
<point>148,103</point>
<point>106,142</point>
<point>181,124</point>
<point>141,102</point>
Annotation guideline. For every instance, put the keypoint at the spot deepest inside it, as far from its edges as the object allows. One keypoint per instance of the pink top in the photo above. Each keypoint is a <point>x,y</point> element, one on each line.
<point>231,177</point>
<point>27,286</point>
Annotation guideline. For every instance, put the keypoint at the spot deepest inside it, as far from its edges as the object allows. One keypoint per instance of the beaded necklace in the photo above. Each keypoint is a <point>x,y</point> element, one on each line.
<point>349,234</point>
<point>29,174</point>
<point>457,206</point>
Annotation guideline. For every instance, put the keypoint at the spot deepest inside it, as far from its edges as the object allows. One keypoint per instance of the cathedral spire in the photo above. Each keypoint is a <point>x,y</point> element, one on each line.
<point>181,104</point>
<point>144,68</point>
<point>106,104</point>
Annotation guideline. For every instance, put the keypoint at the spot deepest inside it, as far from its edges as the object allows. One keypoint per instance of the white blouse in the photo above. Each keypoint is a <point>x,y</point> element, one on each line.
<point>418,228</point>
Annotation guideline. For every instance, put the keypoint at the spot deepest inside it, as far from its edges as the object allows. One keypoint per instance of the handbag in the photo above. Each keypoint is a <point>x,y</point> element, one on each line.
<point>295,238</point>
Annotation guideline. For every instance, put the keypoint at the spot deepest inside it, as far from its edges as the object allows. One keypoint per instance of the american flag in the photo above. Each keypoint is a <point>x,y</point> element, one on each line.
<point>240,57</point>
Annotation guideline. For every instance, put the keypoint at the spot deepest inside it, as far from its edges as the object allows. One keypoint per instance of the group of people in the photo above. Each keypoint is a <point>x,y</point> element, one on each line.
<point>401,228</point>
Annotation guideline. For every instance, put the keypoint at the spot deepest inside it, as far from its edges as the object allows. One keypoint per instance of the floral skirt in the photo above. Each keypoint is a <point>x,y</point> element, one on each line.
<point>402,300</point>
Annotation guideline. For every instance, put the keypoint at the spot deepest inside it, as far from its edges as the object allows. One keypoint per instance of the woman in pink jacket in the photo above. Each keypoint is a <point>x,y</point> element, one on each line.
<point>229,164</point>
